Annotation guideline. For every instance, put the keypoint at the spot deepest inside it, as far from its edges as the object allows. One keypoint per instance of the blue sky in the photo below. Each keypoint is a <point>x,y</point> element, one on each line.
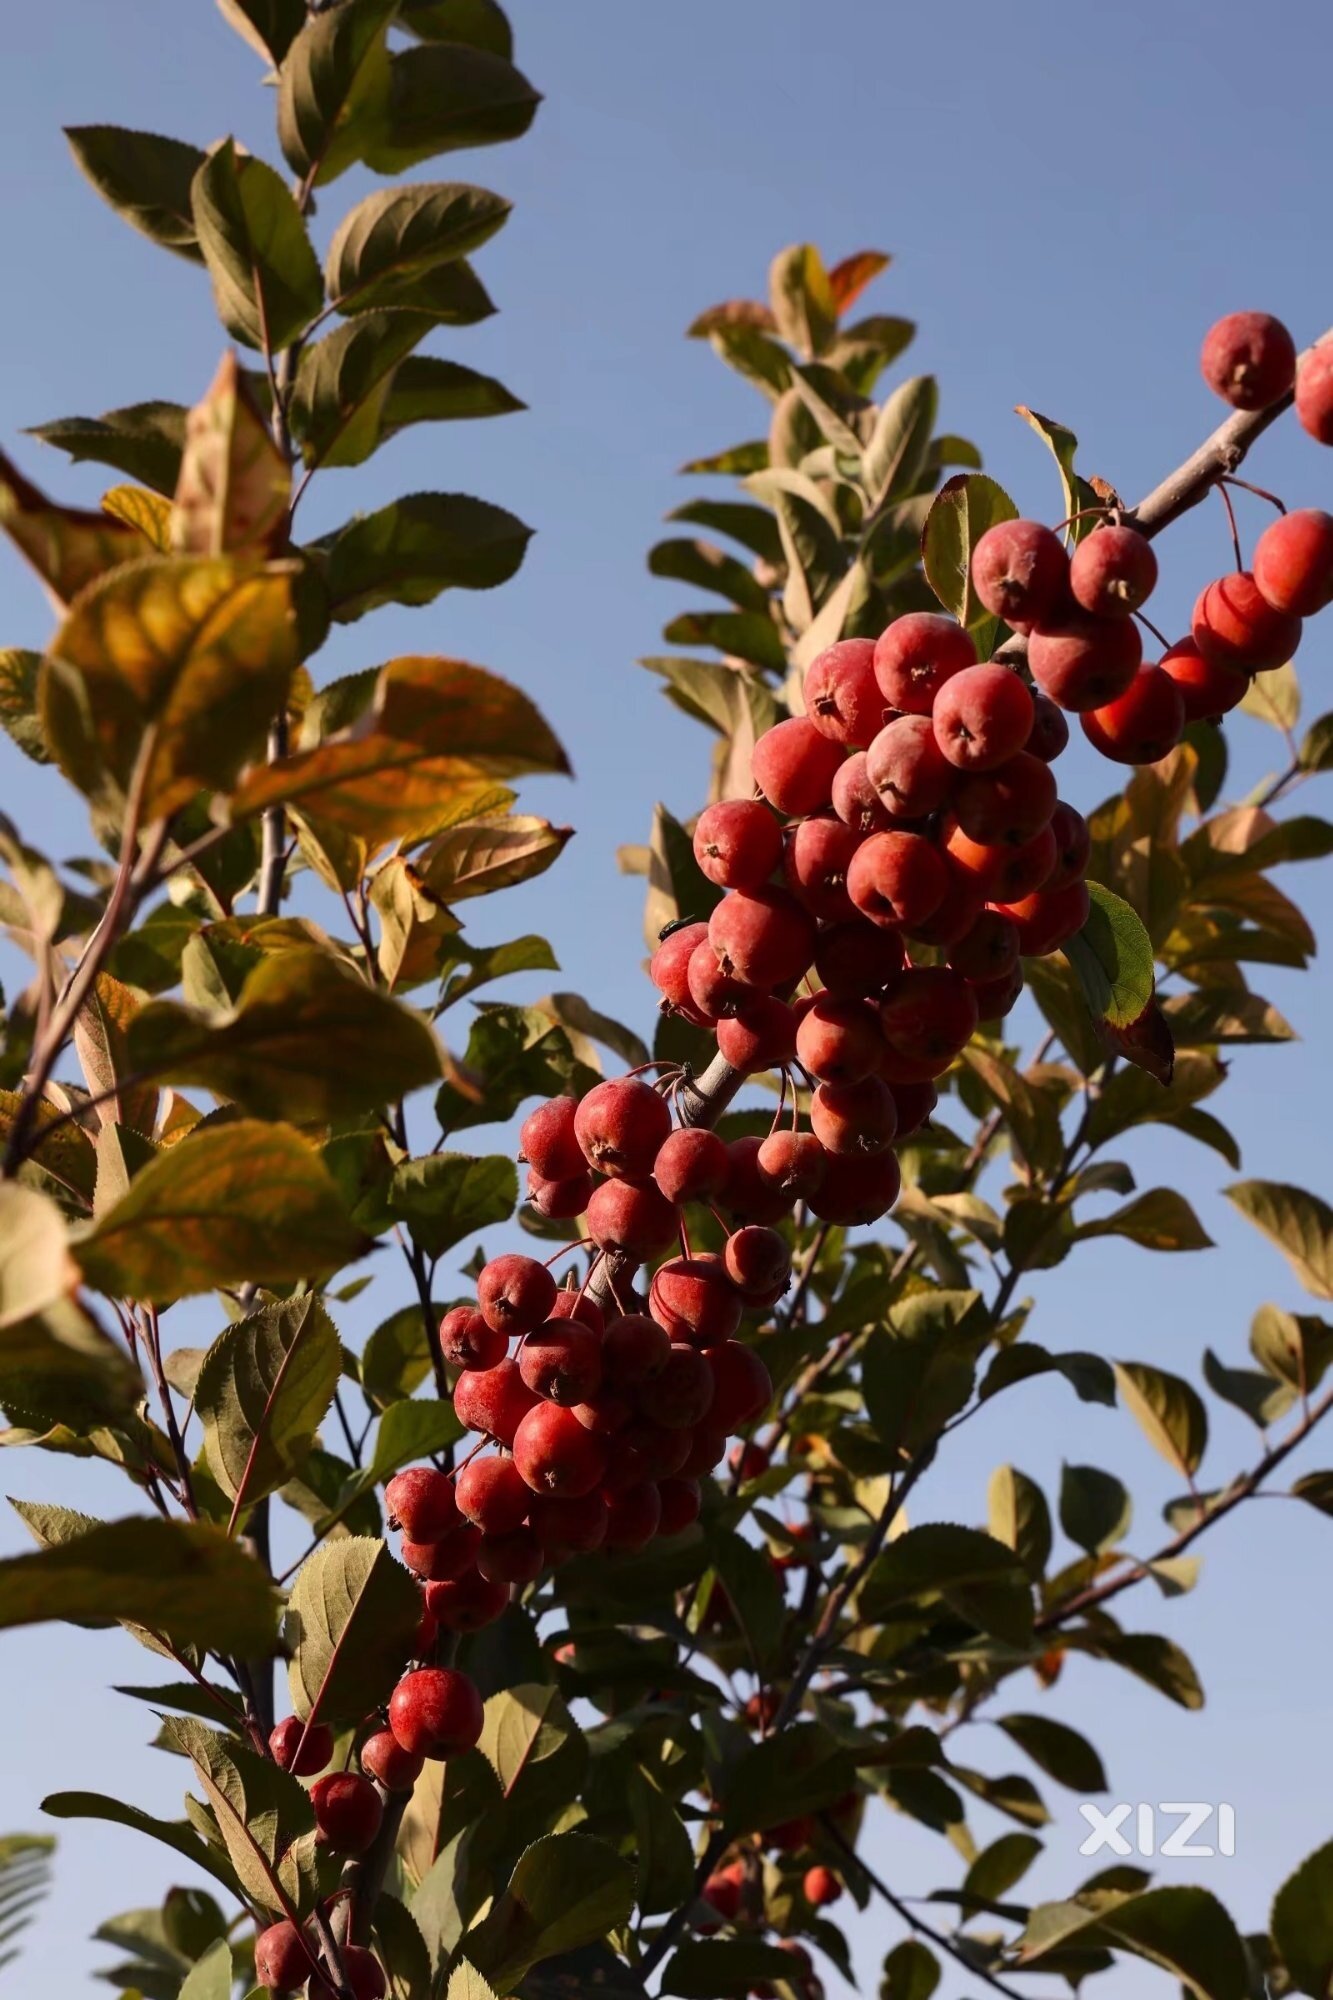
<point>1071,195</point>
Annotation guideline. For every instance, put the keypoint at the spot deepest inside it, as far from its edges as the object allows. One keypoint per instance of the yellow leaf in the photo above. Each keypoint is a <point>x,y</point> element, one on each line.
<point>481,855</point>
<point>141,509</point>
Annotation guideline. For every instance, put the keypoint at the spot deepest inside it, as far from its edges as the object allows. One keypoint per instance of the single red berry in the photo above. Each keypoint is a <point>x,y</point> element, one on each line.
<point>1234,625</point>
<point>722,1892</point>
<point>856,1118</point>
<point>915,1102</point>
<point>620,1125</point>
<point>815,861</point>
<point>1208,688</point>
<point>748,1460</point>
<point>679,1501</point>
<point>645,1449</point>
<point>1314,394</point>
<point>1002,873</point>
<point>842,696</point>
<point>383,1756</point>
<point>422,1502</point>
<point>1143,725</point>
<point>981,718</point>
<point>761,1036</point>
<point>715,994</point>
<point>693,1299</point>
<point>493,1400</point>
<point>897,879</point>
<point>1007,806</point>
<point>1293,562</point>
<point>742,1386</point>
<point>916,656</point>
<point>928,1014</point>
<point>757,1260</point>
<point>989,950</point>
<point>763,937</point>
<point>571,1302</point>
<point>466,1341</point>
<point>908,766</point>
<point>793,1161</point>
<point>680,1397</point>
<point>452,1555</point>
<point>1047,919</point>
<point>547,1141</point>
<point>468,1603</point>
<point>1248,359</point>
<point>555,1454</point>
<point>794,764</point>
<point>997,997</point>
<point>283,1960</point>
<point>669,970</point>
<point>857,957</point>
<point>1050,732</point>
<point>838,1041</point>
<point>855,799</point>
<point>634,1351</point>
<point>953,916</point>
<point>1019,571</point>
<point>436,1712</point>
<point>631,1217</point>
<point>559,1201</point>
<point>517,1557</point>
<point>691,1164</point>
<point>1113,572</point>
<point>786,1838</point>
<point>857,1188</point>
<point>1073,845</point>
<point>708,1448</point>
<point>570,1527</point>
<point>562,1363</point>
<point>747,1195</point>
<point>1083,662</point>
<point>821,1887</point>
<point>515,1293</point>
<point>348,1811</point>
<point>300,1747</point>
<point>491,1493</point>
<point>737,843</point>
<point>633,1517</point>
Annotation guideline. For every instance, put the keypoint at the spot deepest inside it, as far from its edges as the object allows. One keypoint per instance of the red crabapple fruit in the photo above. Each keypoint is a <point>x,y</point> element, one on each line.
<point>301,1747</point>
<point>855,1118</point>
<point>794,765</point>
<point>1113,571</point>
<point>856,957</point>
<point>436,1712</point>
<point>515,1293</point>
<point>466,1341</point>
<point>1314,394</point>
<point>1208,688</point>
<point>916,655</point>
<point>547,1140</point>
<point>760,1036</point>
<point>631,1217</point>
<point>762,936</point>
<point>1234,625</point>
<point>620,1125</point>
<point>1083,662</point>
<point>493,1401</point>
<point>982,717</point>
<point>857,1188</point>
<point>793,1161</point>
<point>1145,723</point>
<point>815,861</point>
<point>1050,731</point>
<point>908,769</point>
<point>1248,359</point>
<point>562,1363</point>
<point>838,1041</point>
<point>737,843</point>
<point>691,1164</point>
<point>1019,571</point>
<point>634,1349</point>
<point>842,696</point>
<point>555,1454</point>
<point>757,1260</point>
<point>1293,562</point>
<point>348,1811</point>
<point>897,878</point>
<point>421,1501</point>
<point>383,1757</point>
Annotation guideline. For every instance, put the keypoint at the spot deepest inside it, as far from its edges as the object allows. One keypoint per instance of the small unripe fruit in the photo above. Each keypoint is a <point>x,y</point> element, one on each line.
<point>547,1140</point>
<point>466,1341</point>
<point>679,1501</point>
<point>1073,845</point>
<point>1047,919</point>
<point>857,957</point>
<point>383,1756</point>
<point>928,1014</point>
<point>1008,806</point>
<point>897,878</point>
<point>983,716</point>
<point>301,1748</point>
<point>761,1036</point>
<point>1293,562</point>
<point>451,1556</point>
<point>794,765</point>
<point>491,1493</point>
<point>815,861</point>
<point>559,1201</point>
<point>908,767</point>
<point>1083,662</point>
<point>691,1164</point>
<point>1143,725</point>
<point>680,1397</point>
<point>855,800</point>
<point>1314,394</point>
<point>822,1887</point>
<point>737,843</point>
<point>857,1189</point>
<point>1050,732</point>
<point>422,1502</point>
<point>1234,625</point>
<point>555,1454</point>
<point>1248,359</point>
<point>837,1041</point>
<point>763,936</point>
<point>436,1712</point>
<point>517,1557</point>
<point>855,1118</point>
<point>793,1161</point>
<point>348,1811</point>
<point>632,1217</point>
<point>620,1126</point>
<point>1019,571</point>
<point>842,696</point>
<point>633,1517</point>
<point>916,655</point>
<point>694,1301</point>
<point>634,1350</point>
<point>283,1961</point>
<point>365,1976</point>
<point>1113,572</point>
<point>990,949</point>
<point>742,1387</point>
<point>493,1400</point>
<point>515,1293</point>
<point>570,1527</point>
<point>669,970</point>
<point>747,1195</point>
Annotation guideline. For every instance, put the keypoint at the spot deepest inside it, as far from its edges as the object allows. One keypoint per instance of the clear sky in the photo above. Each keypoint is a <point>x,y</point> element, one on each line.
<point>1072,195</point>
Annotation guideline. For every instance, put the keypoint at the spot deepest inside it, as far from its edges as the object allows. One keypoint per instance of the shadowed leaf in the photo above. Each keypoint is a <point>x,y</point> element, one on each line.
<point>264,1387</point>
<point>350,1622</point>
<point>145,178</point>
<point>266,281</point>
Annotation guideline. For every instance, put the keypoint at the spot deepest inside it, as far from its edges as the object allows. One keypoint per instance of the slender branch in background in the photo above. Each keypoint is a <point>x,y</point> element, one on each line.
<point>152,1341</point>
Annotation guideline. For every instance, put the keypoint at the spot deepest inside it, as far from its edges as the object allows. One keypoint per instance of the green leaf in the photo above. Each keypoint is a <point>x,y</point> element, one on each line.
<point>18,702</point>
<point>1113,958</point>
<point>1302,1923</point>
<point>911,1972</point>
<point>753,527</point>
<point>411,550</point>
<point>963,509</point>
<point>1087,1374</point>
<point>1062,445</point>
<point>442,97</point>
<point>395,247</point>
<point>1301,1225</point>
<point>1274,697</point>
<point>566,1890</point>
<point>265,1386</point>
<point>469,966</point>
<point>1020,1518</point>
<point>975,1575</point>
<point>144,441</point>
<point>1028,1111</point>
<point>999,1866</point>
<point>513,1053</point>
<point>1184,1930</point>
<point>479,23</point>
<point>209,1978</point>
<point>1168,1411</point>
<point>804,308</point>
<point>269,26</point>
<point>536,1750</point>
<point>754,1592</point>
<point>176,1834</point>
<point>775,1780</point>
<point>1293,1348</point>
<point>1261,1398</point>
<point>343,384</point>
<point>664,1856</point>
<point>145,178</point>
<point>1159,1219</point>
<point>710,1969</point>
<point>266,279</point>
<point>1056,1749</point>
<point>1151,1658</point>
<point>750,635</point>
<point>403,1950</point>
<point>262,1813</point>
<point>334,82</point>
<point>175,659</point>
<point>895,456</point>
<point>447,1196</point>
<point>708,567</point>
<point>349,1626</point>
<point>395,1361</point>
<point>408,1431</point>
<point>308,1040</point>
<point>918,1368</point>
<point>181,1578</point>
<point>1095,1509</point>
<point>233,1204</point>
<point>1316,752</point>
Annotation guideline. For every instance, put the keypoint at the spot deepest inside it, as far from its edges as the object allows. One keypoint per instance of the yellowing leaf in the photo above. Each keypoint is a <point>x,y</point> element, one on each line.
<point>67,547</point>
<point>1168,1410</point>
<point>481,855</point>
<point>198,652</point>
<point>235,486</point>
<point>141,509</point>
